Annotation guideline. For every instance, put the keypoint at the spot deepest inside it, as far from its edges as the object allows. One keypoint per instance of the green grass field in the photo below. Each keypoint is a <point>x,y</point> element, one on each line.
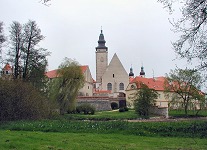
<point>105,115</point>
<point>104,130</point>
<point>191,113</point>
<point>28,140</point>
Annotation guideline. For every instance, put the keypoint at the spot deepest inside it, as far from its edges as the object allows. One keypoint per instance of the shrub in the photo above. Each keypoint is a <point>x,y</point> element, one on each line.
<point>20,100</point>
<point>114,105</point>
<point>126,108</point>
<point>86,109</point>
<point>121,109</point>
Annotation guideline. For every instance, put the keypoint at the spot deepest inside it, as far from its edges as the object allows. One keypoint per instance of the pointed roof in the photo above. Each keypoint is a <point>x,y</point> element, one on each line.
<point>131,74</point>
<point>115,63</point>
<point>53,73</point>
<point>142,73</point>
<point>101,41</point>
<point>7,67</point>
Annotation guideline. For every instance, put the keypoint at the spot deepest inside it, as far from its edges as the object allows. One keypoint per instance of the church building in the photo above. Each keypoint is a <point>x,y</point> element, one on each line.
<point>110,77</point>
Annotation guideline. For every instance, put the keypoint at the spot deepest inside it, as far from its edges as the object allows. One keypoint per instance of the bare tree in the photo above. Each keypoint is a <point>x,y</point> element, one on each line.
<point>192,43</point>
<point>45,2</point>
<point>32,38</point>
<point>17,40</point>
<point>2,37</point>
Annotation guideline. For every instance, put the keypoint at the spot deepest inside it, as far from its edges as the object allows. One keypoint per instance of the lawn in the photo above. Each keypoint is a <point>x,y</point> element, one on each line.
<point>105,115</point>
<point>28,140</point>
<point>78,131</point>
<point>191,113</point>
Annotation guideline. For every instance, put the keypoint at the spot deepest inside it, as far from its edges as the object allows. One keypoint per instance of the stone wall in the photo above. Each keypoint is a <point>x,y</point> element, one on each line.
<point>100,103</point>
<point>161,111</point>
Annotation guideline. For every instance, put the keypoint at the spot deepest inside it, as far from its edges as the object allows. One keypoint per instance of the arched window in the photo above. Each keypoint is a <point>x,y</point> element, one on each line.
<point>121,86</point>
<point>109,86</point>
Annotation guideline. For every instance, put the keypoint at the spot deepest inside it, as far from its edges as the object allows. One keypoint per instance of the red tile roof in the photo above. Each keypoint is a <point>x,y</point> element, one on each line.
<point>102,91</point>
<point>152,83</point>
<point>53,73</point>
<point>7,67</point>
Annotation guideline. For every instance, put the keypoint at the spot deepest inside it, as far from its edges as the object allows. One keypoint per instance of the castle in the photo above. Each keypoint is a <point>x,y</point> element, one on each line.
<point>112,84</point>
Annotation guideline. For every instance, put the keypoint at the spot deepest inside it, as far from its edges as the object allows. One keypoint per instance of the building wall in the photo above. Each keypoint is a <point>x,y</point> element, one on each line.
<point>100,103</point>
<point>115,74</point>
<point>161,101</point>
<point>101,63</point>
<point>87,89</point>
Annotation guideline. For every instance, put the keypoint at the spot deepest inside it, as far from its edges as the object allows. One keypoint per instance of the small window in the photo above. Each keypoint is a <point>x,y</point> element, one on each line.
<point>88,87</point>
<point>7,72</point>
<point>121,86</point>
<point>132,87</point>
<point>109,86</point>
<point>113,75</point>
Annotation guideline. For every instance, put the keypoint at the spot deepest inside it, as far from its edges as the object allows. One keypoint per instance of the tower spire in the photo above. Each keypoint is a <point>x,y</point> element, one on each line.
<point>142,73</point>
<point>101,41</point>
<point>131,74</point>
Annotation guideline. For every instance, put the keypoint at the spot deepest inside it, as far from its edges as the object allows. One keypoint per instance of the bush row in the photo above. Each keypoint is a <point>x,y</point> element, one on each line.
<point>20,100</point>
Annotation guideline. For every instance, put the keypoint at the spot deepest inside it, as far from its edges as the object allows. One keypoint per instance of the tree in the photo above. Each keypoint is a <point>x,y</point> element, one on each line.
<point>144,99</point>
<point>16,40</point>
<point>192,43</point>
<point>64,88</point>
<point>45,2</point>
<point>183,87</point>
<point>29,61</point>
<point>33,36</point>
<point>2,37</point>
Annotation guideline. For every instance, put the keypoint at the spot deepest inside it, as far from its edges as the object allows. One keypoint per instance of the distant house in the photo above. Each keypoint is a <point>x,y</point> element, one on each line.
<point>152,83</point>
<point>7,72</point>
<point>87,89</point>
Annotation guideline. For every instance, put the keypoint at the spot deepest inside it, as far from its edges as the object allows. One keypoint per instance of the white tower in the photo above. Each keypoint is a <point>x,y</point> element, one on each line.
<point>101,58</point>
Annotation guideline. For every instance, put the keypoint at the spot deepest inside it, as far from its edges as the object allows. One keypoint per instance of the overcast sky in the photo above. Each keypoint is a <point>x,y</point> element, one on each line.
<point>137,30</point>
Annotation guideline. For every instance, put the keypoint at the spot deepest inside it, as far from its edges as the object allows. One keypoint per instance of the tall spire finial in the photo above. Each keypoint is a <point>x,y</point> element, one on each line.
<point>101,41</point>
<point>131,74</point>
<point>142,73</point>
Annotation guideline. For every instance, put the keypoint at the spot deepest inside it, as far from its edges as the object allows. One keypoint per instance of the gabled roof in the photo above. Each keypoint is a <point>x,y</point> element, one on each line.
<point>53,73</point>
<point>115,63</point>
<point>7,67</point>
<point>152,83</point>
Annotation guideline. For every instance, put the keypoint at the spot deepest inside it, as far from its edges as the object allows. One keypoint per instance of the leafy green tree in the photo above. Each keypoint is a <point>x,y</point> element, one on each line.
<point>183,88</point>
<point>63,90</point>
<point>191,27</point>
<point>144,99</point>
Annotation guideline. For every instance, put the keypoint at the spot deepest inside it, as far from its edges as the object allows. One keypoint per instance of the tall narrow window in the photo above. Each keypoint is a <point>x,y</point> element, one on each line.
<point>121,86</point>
<point>113,75</point>
<point>109,86</point>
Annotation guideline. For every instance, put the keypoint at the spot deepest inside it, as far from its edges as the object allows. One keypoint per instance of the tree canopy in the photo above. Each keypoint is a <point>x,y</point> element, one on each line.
<point>144,99</point>
<point>64,89</point>
<point>29,60</point>
<point>192,43</point>
<point>183,88</point>
<point>2,38</point>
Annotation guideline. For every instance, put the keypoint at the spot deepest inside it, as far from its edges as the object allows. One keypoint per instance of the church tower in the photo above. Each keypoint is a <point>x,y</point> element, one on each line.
<point>142,73</point>
<point>131,74</point>
<point>101,58</point>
